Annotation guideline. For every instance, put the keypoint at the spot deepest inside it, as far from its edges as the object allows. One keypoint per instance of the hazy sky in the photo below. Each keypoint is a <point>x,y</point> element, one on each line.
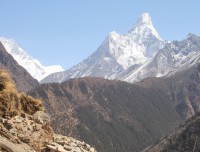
<point>67,31</point>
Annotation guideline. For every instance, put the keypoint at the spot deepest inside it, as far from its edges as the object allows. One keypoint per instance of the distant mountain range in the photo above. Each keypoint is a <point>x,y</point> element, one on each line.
<point>33,66</point>
<point>137,55</point>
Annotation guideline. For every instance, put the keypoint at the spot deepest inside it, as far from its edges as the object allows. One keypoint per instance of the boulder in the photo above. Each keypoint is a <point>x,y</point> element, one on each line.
<point>41,118</point>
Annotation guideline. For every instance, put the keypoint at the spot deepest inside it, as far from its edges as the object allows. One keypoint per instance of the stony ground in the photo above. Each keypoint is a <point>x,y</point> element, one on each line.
<point>28,133</point>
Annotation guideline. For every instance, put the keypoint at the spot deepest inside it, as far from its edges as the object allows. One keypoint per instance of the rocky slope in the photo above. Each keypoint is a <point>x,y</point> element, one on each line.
<point>25,127</point>
<point>112,115</point>
<point>33,66</point>
<point>24,81</point>
<point>186,138</point>
<point>117,53</point>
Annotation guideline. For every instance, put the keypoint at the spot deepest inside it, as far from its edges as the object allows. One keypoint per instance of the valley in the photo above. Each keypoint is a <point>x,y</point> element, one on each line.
<point>136,92</point>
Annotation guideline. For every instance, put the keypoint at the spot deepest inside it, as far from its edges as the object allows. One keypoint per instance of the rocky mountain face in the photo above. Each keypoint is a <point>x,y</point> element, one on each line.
<point>33,66</point>
<point>25,127</point>
<point>186,138</point>
<point>113,116</point>
<point>24,81</point>
<point>117,53</point>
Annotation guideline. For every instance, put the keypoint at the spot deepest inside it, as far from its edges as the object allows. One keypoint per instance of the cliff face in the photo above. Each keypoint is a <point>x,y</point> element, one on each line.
<point>25,127</point>
<point>23,80</point>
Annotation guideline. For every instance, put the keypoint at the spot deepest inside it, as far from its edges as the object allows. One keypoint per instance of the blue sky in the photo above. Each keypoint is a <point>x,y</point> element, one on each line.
<point>65,32</point>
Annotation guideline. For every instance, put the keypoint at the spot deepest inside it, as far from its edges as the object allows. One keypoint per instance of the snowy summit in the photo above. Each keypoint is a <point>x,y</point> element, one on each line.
<point>33,66</point>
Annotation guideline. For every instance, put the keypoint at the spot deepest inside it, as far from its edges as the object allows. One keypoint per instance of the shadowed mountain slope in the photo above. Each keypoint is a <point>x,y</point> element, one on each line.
<point>183,89</point>
<point>184,139</point>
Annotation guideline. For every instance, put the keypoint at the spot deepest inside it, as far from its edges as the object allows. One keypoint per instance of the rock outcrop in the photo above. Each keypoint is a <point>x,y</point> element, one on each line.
<point>28,133</point>
<point>67,144</point>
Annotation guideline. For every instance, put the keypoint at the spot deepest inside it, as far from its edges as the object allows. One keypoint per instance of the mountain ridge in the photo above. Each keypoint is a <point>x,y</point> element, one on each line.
<point>174,57</point>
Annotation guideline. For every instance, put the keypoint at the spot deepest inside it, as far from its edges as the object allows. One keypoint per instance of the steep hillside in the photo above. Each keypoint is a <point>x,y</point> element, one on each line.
<point>24,81</point>
<point>113,116</point>
<point>25,127</point>
<point>184,139</point>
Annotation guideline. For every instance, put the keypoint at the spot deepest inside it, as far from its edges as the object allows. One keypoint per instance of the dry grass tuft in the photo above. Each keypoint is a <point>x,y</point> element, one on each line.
<point>13,103</point>
<point>6,83</point>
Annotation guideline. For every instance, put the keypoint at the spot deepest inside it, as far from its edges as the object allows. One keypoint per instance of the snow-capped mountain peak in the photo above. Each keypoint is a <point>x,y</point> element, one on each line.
<point>140,43</point>
<point>33,66</point>
<point>144,18</point>
<point>144,27</point>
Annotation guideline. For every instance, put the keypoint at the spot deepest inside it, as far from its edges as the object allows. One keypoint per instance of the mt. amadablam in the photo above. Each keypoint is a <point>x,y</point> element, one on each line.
<point>137,55</point>
<point>117,53</point>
